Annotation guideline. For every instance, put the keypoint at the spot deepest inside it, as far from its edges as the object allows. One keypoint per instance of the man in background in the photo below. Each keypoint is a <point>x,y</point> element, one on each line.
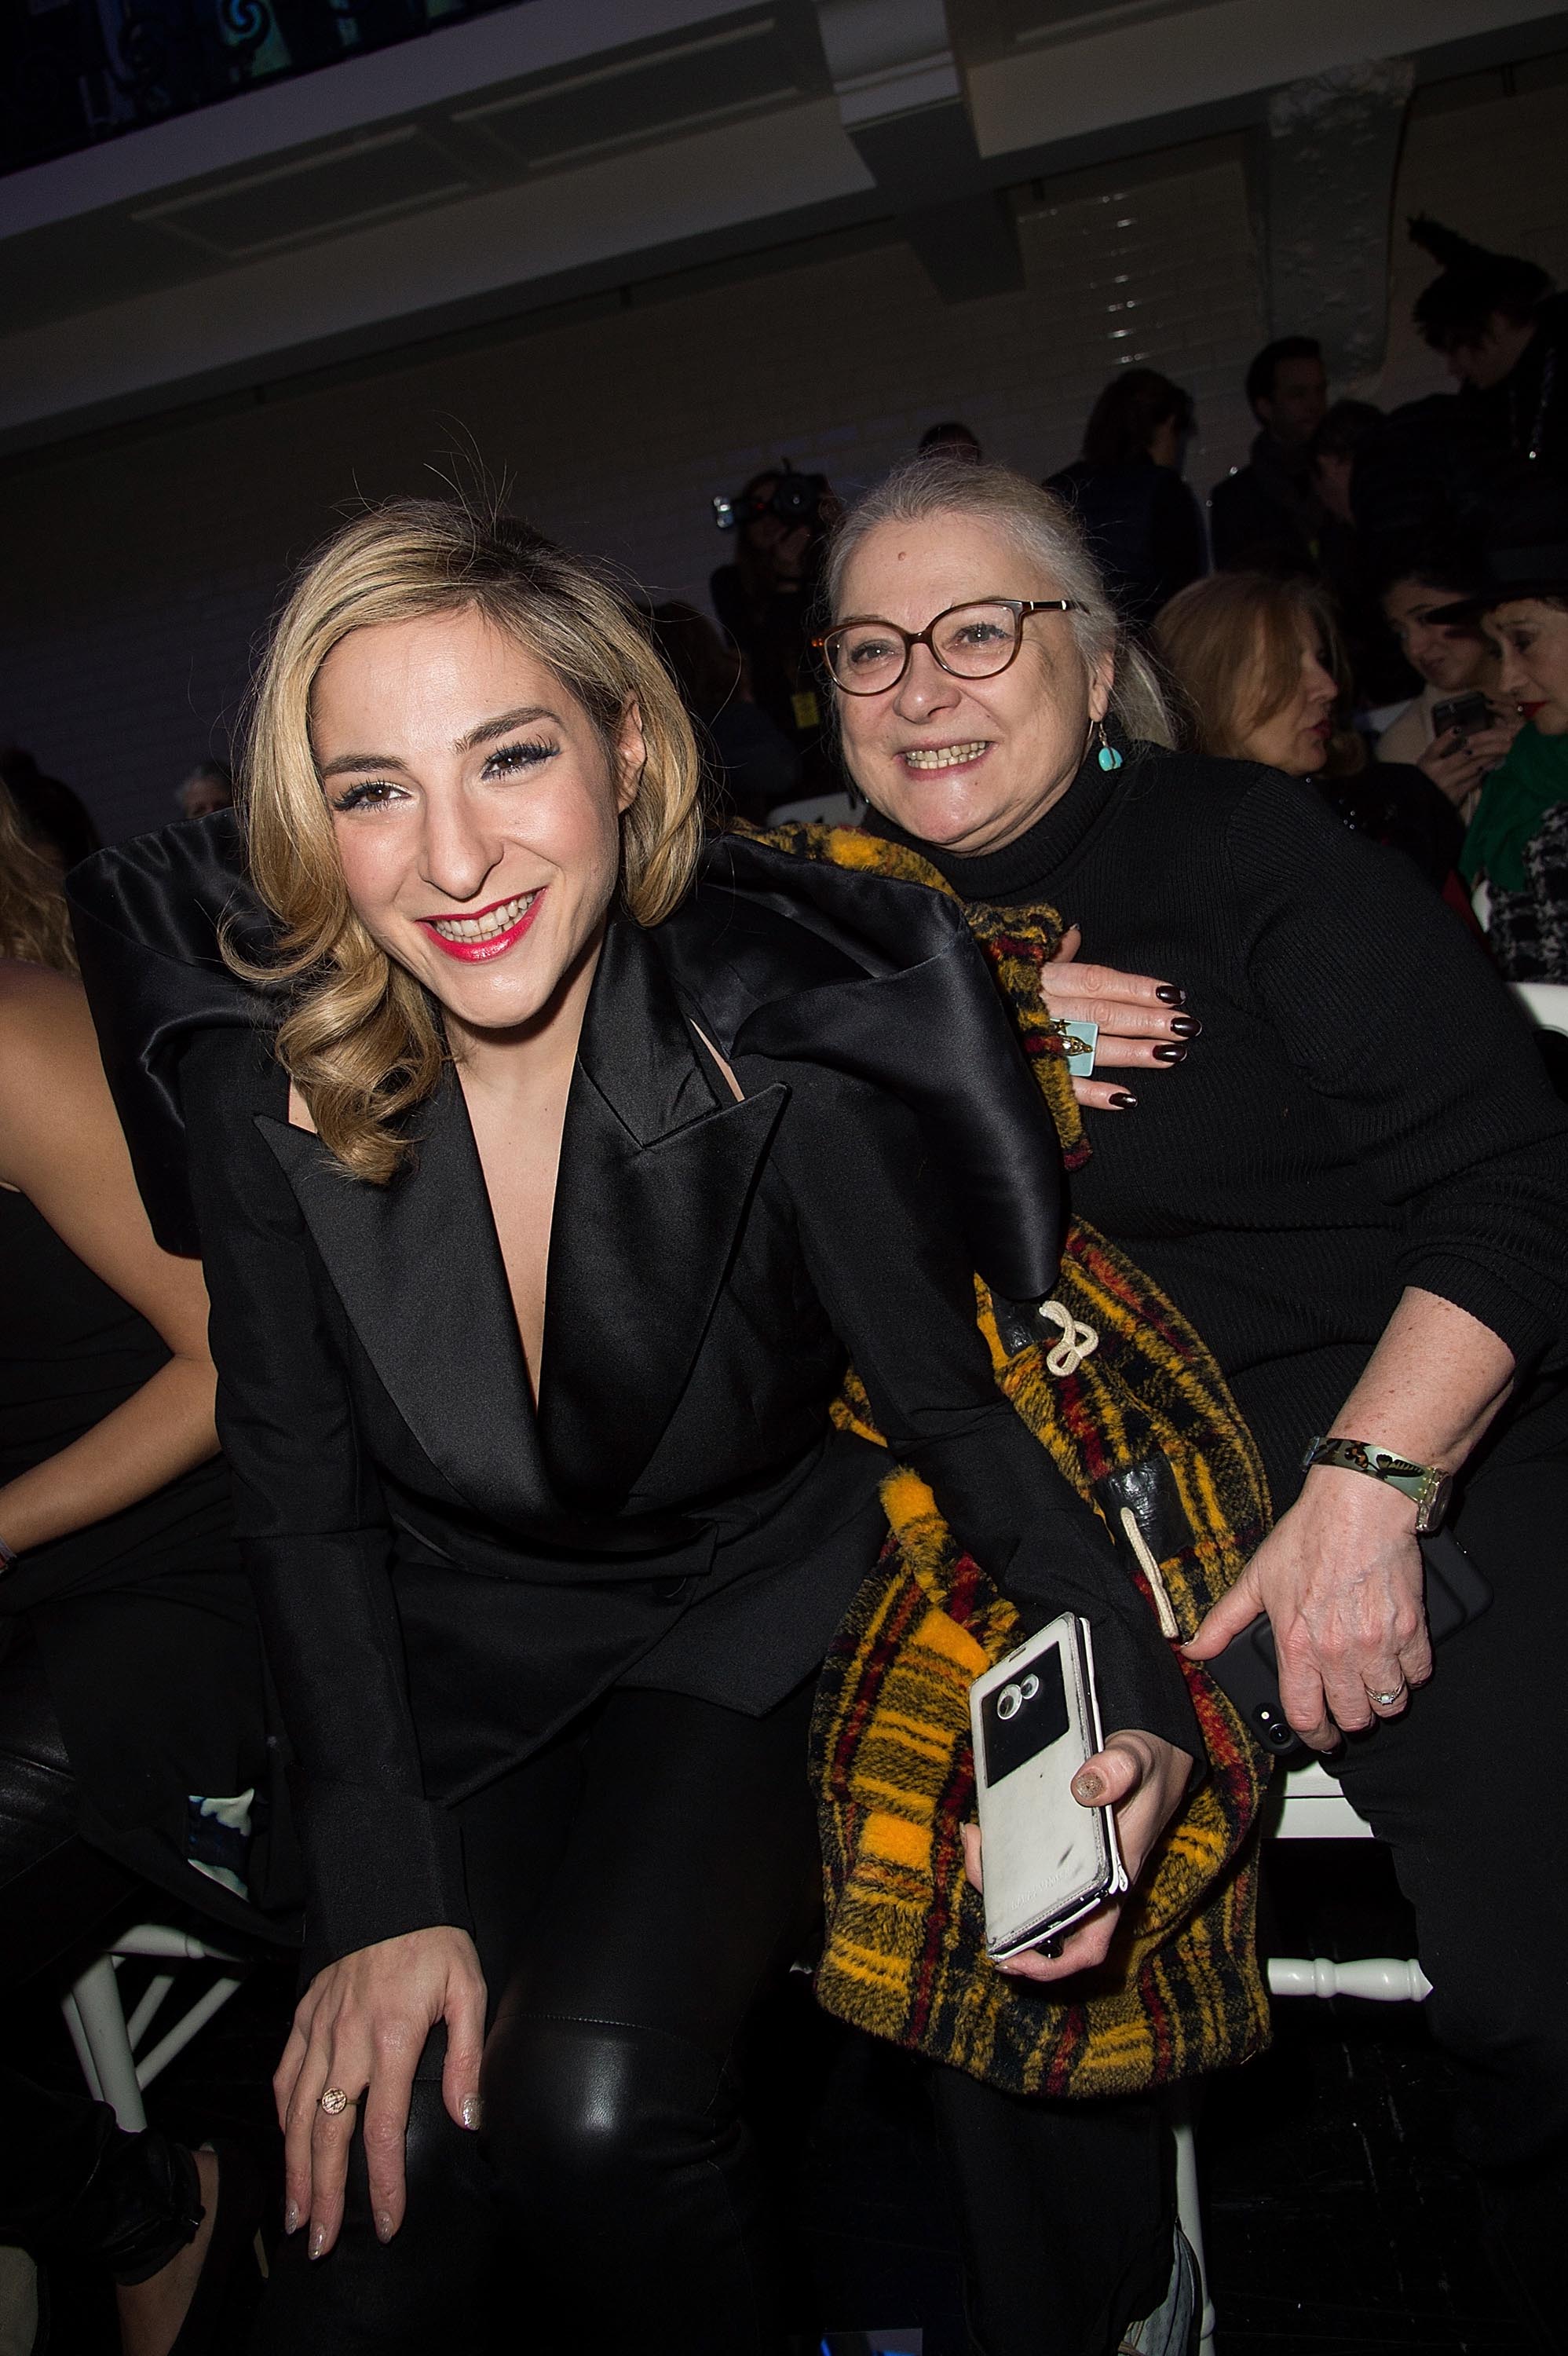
<point>1264,518</point>
<point>1502,329</point>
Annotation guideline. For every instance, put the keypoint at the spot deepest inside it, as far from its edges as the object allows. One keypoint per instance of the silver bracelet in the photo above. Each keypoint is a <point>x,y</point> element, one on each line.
<point>7,1556</point>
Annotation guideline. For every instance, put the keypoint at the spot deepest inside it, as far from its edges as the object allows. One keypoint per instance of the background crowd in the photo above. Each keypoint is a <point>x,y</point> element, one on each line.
<point>1371,535</point>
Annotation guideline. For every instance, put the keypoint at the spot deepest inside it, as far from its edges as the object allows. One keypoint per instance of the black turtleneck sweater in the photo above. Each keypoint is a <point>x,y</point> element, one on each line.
<point>1365,1109</point>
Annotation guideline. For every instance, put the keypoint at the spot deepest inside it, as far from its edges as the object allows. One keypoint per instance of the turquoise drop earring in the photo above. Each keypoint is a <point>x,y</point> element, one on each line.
<point>1109,756</point>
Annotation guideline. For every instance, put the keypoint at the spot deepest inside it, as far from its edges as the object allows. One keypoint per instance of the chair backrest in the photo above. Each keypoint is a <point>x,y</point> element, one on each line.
<point>1545,1002</point>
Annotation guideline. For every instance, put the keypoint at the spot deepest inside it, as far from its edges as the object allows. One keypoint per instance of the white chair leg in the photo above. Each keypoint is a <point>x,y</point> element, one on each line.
<point>153,1995</point>
<point>106,2042</point>
<point>1188,2210</point>
<point>1376,1979</point>
<point>97,2023</point>
<point>83,2049</point>
<point>180,2035</point>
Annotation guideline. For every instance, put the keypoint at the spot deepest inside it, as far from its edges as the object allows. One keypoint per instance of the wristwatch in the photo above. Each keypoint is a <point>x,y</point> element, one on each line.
<point>1428,1489</point>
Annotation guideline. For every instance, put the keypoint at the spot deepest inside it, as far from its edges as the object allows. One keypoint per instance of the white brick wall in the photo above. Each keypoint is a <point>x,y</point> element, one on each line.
<point>138,577</point>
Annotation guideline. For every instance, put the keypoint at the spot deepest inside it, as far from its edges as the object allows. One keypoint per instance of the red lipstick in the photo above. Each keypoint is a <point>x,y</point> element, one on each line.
<point>494,945</point>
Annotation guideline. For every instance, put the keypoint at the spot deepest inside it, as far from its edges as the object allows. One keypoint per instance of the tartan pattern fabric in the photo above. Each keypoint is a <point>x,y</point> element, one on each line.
<point>904,1958</point>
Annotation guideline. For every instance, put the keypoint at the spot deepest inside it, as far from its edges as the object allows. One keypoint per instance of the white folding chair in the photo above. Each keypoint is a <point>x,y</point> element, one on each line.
<point>1305,1804</point>
<point>108,2044</point>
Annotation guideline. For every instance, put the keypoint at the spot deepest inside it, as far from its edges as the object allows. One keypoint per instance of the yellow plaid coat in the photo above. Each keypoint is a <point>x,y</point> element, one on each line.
<point>904,1955</point>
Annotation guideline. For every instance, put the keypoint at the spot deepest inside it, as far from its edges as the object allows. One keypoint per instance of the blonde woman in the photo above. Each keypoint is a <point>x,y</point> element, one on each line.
<point>547,1569</point>
<point>1259,673</point>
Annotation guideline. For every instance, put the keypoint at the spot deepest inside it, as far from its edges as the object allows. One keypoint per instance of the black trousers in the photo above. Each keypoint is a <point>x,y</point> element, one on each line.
<point>1466,1787</point>
<point>1066,2213</point>
<point>636,1891</point>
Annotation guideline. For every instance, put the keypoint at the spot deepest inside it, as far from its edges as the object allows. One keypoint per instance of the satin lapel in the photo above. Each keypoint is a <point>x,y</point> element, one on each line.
<point>419,1270</point>
<point>655,1180</point>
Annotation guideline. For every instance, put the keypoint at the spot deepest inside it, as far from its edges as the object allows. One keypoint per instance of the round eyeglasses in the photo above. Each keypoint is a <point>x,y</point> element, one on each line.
<point>866,656</point>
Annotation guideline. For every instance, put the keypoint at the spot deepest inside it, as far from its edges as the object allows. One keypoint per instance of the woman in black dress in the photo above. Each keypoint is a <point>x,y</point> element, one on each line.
<point>546,1568</point>
<point>130,1671</point>
<point>1352,1175</point>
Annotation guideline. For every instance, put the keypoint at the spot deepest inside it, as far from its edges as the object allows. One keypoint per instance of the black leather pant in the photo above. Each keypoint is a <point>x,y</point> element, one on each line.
<point>634,1889</point>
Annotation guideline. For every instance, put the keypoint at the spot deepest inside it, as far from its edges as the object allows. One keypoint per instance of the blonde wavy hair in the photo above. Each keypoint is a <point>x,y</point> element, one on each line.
<point>1046,535</point>
<point>362,1039</point>
<point>1232,647</point>
<point>35,924</point>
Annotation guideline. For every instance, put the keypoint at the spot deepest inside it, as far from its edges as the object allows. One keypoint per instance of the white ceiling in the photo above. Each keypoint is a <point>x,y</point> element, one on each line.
<point>550,148</point>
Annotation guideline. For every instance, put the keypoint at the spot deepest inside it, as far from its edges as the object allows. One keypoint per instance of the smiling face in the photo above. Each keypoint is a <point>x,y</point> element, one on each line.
<point>1447,656</point>
<point>1297,738</point>
<point>966,763</point>
<point>475,808</point>
<point>1533,637</point>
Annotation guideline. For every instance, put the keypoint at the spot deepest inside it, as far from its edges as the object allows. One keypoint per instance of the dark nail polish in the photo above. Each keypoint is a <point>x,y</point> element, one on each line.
<point>1170,995</point>
<point>1170,1055</point>
<point>1123,1100</point>
<point>1185,1026</point>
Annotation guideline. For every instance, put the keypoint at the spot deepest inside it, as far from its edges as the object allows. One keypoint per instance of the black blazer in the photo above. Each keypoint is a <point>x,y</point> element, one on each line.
<point>446,1576</point>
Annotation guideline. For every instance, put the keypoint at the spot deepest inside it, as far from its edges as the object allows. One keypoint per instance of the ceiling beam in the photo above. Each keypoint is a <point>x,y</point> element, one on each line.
<point>902,99</point>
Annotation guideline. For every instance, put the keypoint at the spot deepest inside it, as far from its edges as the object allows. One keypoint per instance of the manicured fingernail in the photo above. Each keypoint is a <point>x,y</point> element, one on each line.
<point>1170,1055</point>
<point>383,2224</point>
<point>292,2218</point>
<point>1185,1026</point>
<point>473,2112</point>
<point>1087,1787</point>
<point>1170,994</point>
<point>317,2241</point>
<point>1123,1100</point>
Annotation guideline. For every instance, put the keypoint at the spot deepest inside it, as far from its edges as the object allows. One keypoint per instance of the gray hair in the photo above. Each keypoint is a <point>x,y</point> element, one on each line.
<point>1046,535</point>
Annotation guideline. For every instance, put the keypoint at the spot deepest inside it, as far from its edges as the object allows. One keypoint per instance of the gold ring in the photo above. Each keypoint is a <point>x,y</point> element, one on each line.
<point>334,2102</point>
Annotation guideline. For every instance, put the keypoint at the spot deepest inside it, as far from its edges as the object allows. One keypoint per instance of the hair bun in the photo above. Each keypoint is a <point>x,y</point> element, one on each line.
<point>1447,247</point>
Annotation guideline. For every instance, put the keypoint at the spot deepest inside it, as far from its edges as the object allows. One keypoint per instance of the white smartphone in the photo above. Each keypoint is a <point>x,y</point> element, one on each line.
<point>1047,1860</point>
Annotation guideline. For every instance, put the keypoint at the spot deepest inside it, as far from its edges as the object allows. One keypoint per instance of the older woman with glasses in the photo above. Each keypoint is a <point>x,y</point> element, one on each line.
<point>1354,1186</point>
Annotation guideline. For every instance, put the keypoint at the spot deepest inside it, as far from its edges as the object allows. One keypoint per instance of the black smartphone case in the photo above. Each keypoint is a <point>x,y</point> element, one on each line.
<point>1464,712</point>
<point>1248,1668</point>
